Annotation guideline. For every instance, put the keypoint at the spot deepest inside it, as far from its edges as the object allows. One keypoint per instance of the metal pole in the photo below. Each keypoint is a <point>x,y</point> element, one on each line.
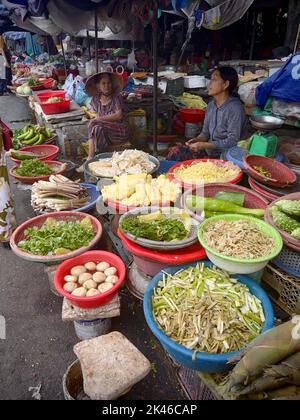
<point>63,53</point>
<point>155,76</point>
<point>253,36</point>
<point>47,43</point>
<point>89,44</point>
<point>96,41</point>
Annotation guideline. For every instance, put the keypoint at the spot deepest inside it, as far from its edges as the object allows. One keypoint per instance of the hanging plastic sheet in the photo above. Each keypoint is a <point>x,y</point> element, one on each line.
<point>283,85</point>
<point>225,14</point>
<point>37,7</point>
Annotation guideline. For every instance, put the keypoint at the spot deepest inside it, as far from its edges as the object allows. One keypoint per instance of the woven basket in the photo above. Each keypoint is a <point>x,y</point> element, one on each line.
<point>283,289</point>
<point>289,261</point>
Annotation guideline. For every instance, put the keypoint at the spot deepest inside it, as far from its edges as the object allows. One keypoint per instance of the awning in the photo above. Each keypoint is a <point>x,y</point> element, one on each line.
<point>108,35</point>
<point>15,36</point>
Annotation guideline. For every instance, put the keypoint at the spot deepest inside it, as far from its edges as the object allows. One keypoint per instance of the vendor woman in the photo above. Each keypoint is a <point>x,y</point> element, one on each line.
<point>225,120</point>
<point>110,127</point>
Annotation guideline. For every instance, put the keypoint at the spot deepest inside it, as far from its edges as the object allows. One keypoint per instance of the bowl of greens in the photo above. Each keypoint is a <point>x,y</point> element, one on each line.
<point>159,228</point>
<point>55,237</point>
<point>33,170</point>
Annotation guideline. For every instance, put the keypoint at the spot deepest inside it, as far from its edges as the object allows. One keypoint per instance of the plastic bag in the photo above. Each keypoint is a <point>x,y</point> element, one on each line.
<point>80,94</point>
<point>247,93</point>
<point>69,87</point>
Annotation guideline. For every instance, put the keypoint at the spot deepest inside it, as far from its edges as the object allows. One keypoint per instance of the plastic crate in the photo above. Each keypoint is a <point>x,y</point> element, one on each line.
<point>289,261</point>
<point>283,289</point>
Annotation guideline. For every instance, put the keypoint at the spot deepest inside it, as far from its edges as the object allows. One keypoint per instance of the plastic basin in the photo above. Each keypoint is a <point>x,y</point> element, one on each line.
<point>205,362</point>
<point>282,176</point>
<point>46,152</point>
<point>19,235</point>
<point>192,115</point>
<point>238,265</point>
<point>56,107</point>
<point>58,168</point>
<point>43,97</point>
<point>95,256</point>
<point>190,185</point>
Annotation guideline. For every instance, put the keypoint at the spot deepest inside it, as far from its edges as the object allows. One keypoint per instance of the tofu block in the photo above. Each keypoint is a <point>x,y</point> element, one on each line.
<point>110,365</point>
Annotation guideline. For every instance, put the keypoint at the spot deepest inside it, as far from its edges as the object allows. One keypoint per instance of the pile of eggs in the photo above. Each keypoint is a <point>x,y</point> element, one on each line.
<point>91,279</point>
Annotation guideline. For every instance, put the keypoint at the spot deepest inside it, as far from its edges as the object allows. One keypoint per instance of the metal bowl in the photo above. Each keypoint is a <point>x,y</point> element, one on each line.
<point>89,174</point>
<point>157,245</point>
<point>266,122</point>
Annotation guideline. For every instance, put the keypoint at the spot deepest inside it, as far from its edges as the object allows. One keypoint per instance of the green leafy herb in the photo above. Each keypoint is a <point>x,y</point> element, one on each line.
<point>165,230</point>
<point>54,236</point>
<point>33,167</point>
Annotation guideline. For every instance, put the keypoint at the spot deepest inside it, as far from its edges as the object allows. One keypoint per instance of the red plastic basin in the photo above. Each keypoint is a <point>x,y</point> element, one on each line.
<point>192,115</point>
<point>281,175</point>
<point>95,256</point>
<point>46,152</point>
<point>192,185</point>
<point>56,107</point>
<point>66,216</point>
<point>44,96</point>
<point>58,167</point>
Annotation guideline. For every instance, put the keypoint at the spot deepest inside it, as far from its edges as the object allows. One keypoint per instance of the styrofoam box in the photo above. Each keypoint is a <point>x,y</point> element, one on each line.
<point>194,82</point>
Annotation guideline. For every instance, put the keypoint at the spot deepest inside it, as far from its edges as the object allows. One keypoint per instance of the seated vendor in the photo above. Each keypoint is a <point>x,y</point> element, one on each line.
<point>110,127</point>
<point>225,121</point>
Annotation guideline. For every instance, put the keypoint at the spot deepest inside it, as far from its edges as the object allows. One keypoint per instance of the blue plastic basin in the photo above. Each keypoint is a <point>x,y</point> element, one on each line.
<point>205,362</point>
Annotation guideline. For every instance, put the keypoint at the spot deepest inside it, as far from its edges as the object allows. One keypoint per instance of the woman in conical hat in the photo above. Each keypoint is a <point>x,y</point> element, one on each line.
<point>110,126</point>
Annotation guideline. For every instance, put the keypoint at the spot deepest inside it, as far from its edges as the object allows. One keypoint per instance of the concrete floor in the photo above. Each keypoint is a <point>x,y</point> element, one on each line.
<point>39,347</point>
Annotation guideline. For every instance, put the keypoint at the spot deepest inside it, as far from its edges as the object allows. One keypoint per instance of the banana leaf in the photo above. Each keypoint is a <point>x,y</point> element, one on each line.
<point>7,213</point>
<point>266,350</point>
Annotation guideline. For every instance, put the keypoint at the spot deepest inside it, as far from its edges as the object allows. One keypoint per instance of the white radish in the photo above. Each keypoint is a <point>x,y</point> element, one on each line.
<point>110,271</point>
<point>91,266</point>
<point>99,277</point>
<point>84,277</point>
<point>93,292</point>
<point>77,270</point>
<point>72,279</point>
<point>90,284</point>
<point>112,279</point>
<point>80,291</point>
<point>70,287</point>
<point>104,287</point>
<point>102,266</point>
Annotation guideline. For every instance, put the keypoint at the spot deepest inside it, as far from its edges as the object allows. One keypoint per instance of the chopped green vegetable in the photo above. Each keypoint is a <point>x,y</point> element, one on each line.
<point>196,203</point>
<point>204,309</point>
<point>164,229</point>
<point>33,167</point>
<point>290,207</point>
<point>237,198</point>
<point>55,236</point>
<point>283,221</point>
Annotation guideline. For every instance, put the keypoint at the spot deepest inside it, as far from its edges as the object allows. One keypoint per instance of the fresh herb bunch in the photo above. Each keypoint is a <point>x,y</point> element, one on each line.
<point>55,236</point>
<point>165,230</point>
<point>33,167</point>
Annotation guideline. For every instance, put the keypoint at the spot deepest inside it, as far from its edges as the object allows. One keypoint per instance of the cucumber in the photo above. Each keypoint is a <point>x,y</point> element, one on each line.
<point>23,155</point>
<point>236,197</point>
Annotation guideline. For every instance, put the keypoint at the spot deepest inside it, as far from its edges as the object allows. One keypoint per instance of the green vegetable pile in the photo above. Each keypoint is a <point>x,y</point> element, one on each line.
<point>163,229</point>
<point>33,167</point>
<point>286,215</point>
<point>204,309</point>
<point>57,237</point>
